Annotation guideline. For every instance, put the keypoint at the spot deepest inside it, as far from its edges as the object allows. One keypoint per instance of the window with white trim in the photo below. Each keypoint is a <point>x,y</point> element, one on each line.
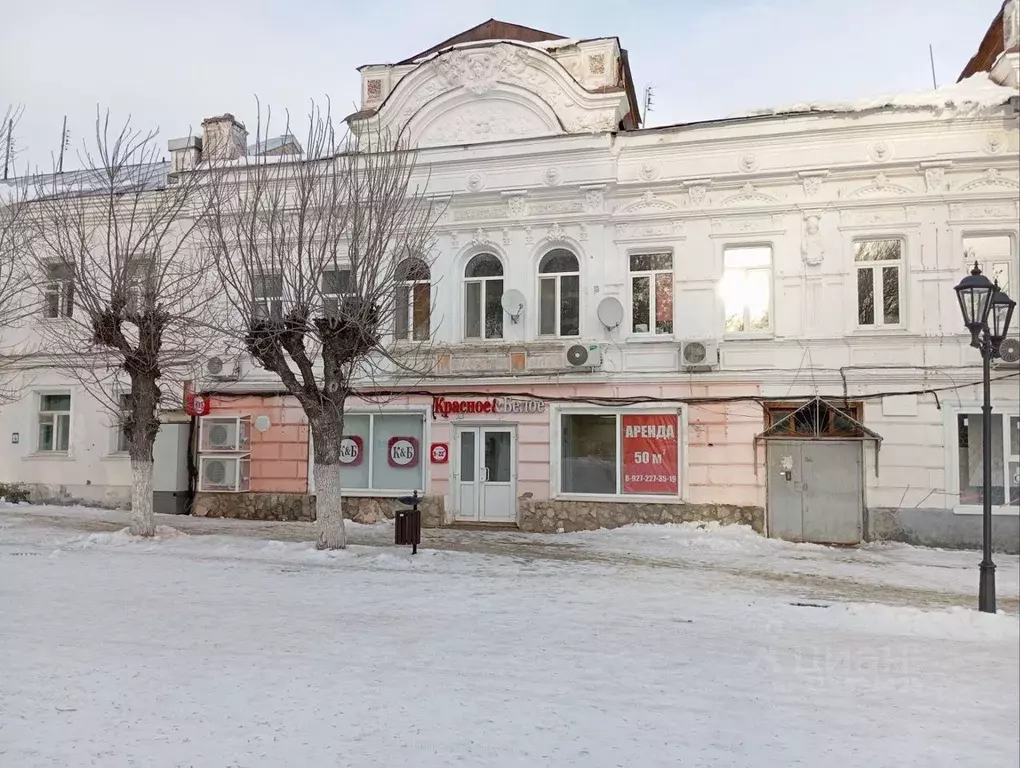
<point>54,421</point>
<point>651,290</point>
<point>483,290</point>
<point>140,289</point>
<point>995,255</point>
<point>383,452</point>
<point>267,295</point>
<point>336,283</point>
<point>122,443</point>
<point>413,300</point>
<point>1005,487</point>
<point>620,454</point>
<point>559,294</point>
<point>747,289</point>
<point>58,295</point>
<point>879,266</point>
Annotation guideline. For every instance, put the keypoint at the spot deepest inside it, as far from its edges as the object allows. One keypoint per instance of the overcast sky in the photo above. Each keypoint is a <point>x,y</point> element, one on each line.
<point>170,64</point>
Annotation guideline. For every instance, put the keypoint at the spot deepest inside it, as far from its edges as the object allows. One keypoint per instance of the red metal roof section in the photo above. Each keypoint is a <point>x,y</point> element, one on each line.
<point>989,50</point>
<point>493,29</point>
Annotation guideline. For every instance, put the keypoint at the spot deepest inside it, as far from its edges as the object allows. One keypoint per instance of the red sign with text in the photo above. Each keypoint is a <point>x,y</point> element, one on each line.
<point>650,454</point>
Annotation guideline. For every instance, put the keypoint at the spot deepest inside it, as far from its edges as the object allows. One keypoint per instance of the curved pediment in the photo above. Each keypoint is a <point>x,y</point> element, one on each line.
<point>650,203</point>
<point>501,114</point>
<point>991,178</point>
<point>881,185</point>
<point>446,98</point>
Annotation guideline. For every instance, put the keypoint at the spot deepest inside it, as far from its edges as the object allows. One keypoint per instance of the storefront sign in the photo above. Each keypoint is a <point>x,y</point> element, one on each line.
<point>196,405</point>
<point>441,406</point>
<point>402,452</point>
<point>352,450</point>
<point>650,454</point>
<point>440,453</point>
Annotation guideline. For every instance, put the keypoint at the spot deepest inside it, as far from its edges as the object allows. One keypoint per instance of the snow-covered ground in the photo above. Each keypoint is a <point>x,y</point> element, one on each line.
<point>634,647</point>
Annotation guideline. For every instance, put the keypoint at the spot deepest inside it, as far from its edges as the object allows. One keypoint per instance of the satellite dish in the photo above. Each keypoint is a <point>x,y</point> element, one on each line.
<point>513,303</point>
<point>610,313</point>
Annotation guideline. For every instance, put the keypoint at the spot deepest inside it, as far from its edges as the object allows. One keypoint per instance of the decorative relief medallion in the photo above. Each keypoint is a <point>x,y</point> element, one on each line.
<point>881,151</point>
<point>594,199</point>
<point>935,179</point>
<point>480,237</point>
<point>995,143</point>
<point>475,182</point>
<point>555,232</point>
<point>551,176</point>
<point>515,206</point>
<point>748,162</point>
<point>649,171</point>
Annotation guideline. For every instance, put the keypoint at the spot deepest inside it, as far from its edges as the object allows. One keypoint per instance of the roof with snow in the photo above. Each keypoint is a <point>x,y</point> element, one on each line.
<point>134,178</point>
<point>972,96</point>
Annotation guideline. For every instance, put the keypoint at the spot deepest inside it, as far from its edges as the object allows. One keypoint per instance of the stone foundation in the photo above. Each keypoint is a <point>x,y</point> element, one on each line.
<point>301,507</point>
<point>102,496</point>
<point>552,516</point>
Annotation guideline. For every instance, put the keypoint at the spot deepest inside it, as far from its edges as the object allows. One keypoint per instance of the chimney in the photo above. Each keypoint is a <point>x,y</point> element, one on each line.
<point>223,138</point>
<point>185,154</point>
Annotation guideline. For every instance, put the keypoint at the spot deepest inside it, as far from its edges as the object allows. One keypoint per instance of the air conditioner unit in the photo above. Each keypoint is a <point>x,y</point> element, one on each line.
<point>225,434</point>
<point>699,356</point>
<point>584,355</point>
<point>221,367</point>
<point>224,474</point>
<point>1009,353</point>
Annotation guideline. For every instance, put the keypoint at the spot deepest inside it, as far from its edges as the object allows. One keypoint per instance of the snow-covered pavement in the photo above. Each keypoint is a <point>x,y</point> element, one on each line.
<point>221,651</point>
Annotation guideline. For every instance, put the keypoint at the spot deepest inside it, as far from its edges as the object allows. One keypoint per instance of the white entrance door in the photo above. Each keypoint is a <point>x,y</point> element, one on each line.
<point>485,471</point>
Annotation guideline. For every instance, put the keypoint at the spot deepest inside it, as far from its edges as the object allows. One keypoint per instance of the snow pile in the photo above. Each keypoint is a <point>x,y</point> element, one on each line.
<point>124,536</point>
<point>973,96</point>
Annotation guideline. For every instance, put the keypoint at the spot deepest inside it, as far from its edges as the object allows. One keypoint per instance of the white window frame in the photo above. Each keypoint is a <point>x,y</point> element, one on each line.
<point>267,307</point>
<point>424,460</point>
<point>136,284</point>
<point>330,299</point>
<point>410,285</point>
<point>952,460</point>
<point>877,285</point>
<point>758,333</point>
<point>1010,260</point>
<point>556,452</point>
<point>652,293</point>
<point>557,277</point>
<point>121,443</point>
<point>63,289</point>
<point>37,422</point>
<point>482,284</point>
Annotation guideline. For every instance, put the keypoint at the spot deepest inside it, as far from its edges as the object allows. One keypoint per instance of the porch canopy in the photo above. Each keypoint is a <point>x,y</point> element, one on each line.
<point>819,419</point>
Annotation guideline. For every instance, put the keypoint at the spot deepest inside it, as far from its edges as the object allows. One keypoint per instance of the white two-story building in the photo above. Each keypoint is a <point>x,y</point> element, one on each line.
<point>749,320</point>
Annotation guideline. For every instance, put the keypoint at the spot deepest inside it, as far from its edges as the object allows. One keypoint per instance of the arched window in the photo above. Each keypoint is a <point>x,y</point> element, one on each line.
<point>559,294</point>
<point>413,300</point>
<point>483,288</point>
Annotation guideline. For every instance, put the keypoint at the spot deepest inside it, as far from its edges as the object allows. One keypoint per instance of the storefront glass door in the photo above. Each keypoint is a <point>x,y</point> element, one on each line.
<point>484,474</point>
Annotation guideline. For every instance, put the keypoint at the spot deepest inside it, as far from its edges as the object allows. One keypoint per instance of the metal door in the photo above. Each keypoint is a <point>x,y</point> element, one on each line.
<point>833,501</point>
<point>783,490</point>
<point>814,491</point>
<point>485,473</point>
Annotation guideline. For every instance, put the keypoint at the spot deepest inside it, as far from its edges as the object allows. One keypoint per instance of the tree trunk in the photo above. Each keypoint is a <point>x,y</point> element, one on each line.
<point>327,432</point>
<point>329,516</point>
<point>142,424</point>
<point>143,521</point>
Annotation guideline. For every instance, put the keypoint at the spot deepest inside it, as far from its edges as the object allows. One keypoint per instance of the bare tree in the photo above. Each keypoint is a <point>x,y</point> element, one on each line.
<point>14,241</point>
<point>113,249</point>
<point>325,260</point>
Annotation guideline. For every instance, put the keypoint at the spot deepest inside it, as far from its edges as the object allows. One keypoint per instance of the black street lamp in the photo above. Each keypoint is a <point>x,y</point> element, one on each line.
<point>986,313</point>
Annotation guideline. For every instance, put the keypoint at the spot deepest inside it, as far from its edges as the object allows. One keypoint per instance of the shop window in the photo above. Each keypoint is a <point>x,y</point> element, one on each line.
<point>620,454</point>
<point>1005,459</point>
<point>483,289</point>
<point>559,292</point>
<point>383,452</point>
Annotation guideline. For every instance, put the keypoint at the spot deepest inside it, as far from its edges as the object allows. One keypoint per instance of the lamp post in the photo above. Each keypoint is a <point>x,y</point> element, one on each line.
<point>986,313</point>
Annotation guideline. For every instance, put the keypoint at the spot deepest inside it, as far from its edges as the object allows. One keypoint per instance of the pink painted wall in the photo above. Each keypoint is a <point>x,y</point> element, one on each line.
<point>719,458</point>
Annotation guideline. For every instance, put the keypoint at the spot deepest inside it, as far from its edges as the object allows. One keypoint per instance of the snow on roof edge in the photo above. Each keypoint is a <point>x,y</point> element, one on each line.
<point>973,95</point>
